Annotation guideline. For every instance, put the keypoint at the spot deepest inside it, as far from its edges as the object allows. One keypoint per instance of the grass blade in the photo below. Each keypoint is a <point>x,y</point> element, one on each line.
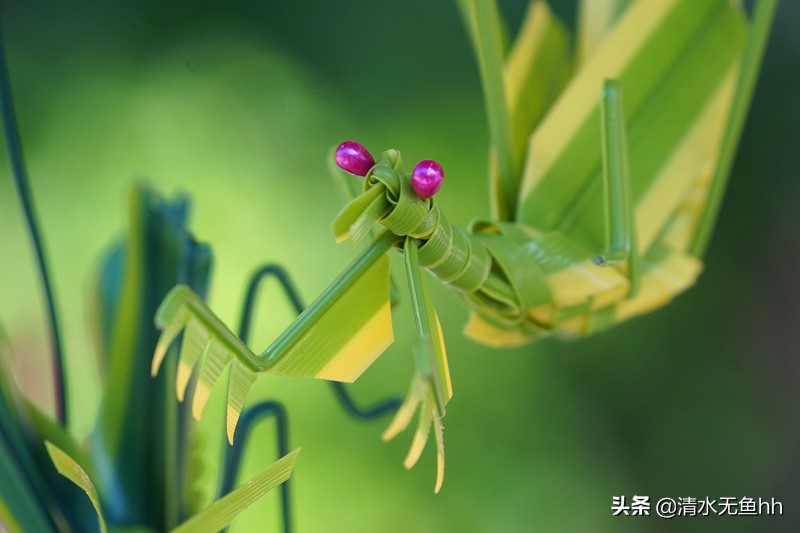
<point>221,513</point>
<point>20,506</point>
<point>71,470</point>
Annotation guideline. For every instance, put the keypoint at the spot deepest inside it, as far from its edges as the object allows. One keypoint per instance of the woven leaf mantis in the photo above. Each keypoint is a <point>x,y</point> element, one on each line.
<point>601,210</point>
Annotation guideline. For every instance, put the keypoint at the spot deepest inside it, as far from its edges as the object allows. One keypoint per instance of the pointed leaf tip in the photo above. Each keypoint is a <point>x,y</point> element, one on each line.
<point>420,436</point>
<point>240,382</point>
<point>158,358</point>
<point>172,325</point>
<point>196,344</point>
<point>404,414</point>
<point>232,420</point>
<point>439,436</point>
<point>213,363</point>
<point>70,469</point>
<point>222,512</point>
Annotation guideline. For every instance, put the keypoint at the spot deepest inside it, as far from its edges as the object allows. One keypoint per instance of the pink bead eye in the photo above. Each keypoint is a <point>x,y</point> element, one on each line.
<point>427,178</point>
<point>354,158</point>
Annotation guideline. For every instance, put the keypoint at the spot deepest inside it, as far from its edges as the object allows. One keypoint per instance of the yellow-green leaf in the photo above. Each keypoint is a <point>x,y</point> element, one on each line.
<point>595,19</point>
<point>536,71</point>
<point>71,470</point>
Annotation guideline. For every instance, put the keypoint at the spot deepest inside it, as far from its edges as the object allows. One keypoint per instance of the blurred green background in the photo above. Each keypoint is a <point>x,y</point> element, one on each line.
<point>238,103</point>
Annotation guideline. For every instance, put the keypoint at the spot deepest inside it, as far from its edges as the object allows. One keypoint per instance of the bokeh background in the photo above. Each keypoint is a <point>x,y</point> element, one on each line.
<point>238,103</point>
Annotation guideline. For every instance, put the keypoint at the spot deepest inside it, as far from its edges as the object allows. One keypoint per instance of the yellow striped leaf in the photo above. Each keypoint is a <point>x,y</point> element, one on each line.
<point>595,20</point>
<point>672,58</point>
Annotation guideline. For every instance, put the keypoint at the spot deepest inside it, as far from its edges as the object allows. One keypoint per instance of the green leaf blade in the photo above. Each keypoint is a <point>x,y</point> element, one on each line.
<point>535,73</point>
<point>20,506</point>
<point>156,252</point>
<point>70,469</point>
<point>221,513</point>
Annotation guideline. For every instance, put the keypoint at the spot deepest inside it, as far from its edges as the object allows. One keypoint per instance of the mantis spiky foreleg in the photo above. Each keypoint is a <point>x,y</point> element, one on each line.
<point>232,455</point>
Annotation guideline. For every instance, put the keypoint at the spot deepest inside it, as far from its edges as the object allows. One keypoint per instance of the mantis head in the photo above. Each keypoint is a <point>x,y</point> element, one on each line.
<point>426,178</point>
<point>400,202</point>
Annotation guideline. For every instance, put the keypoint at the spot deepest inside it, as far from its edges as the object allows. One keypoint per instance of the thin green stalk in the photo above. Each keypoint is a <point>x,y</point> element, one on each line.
<point>751,63</point>
<point>14,143</point>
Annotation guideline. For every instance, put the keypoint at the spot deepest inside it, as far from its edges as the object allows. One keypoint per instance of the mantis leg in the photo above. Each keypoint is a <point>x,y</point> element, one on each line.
<point>619,215</point>
<point>430,387</point>
<point>342,394</point>
<point>748,74</point>
<point>232,455</point>
<point>333,352</point>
